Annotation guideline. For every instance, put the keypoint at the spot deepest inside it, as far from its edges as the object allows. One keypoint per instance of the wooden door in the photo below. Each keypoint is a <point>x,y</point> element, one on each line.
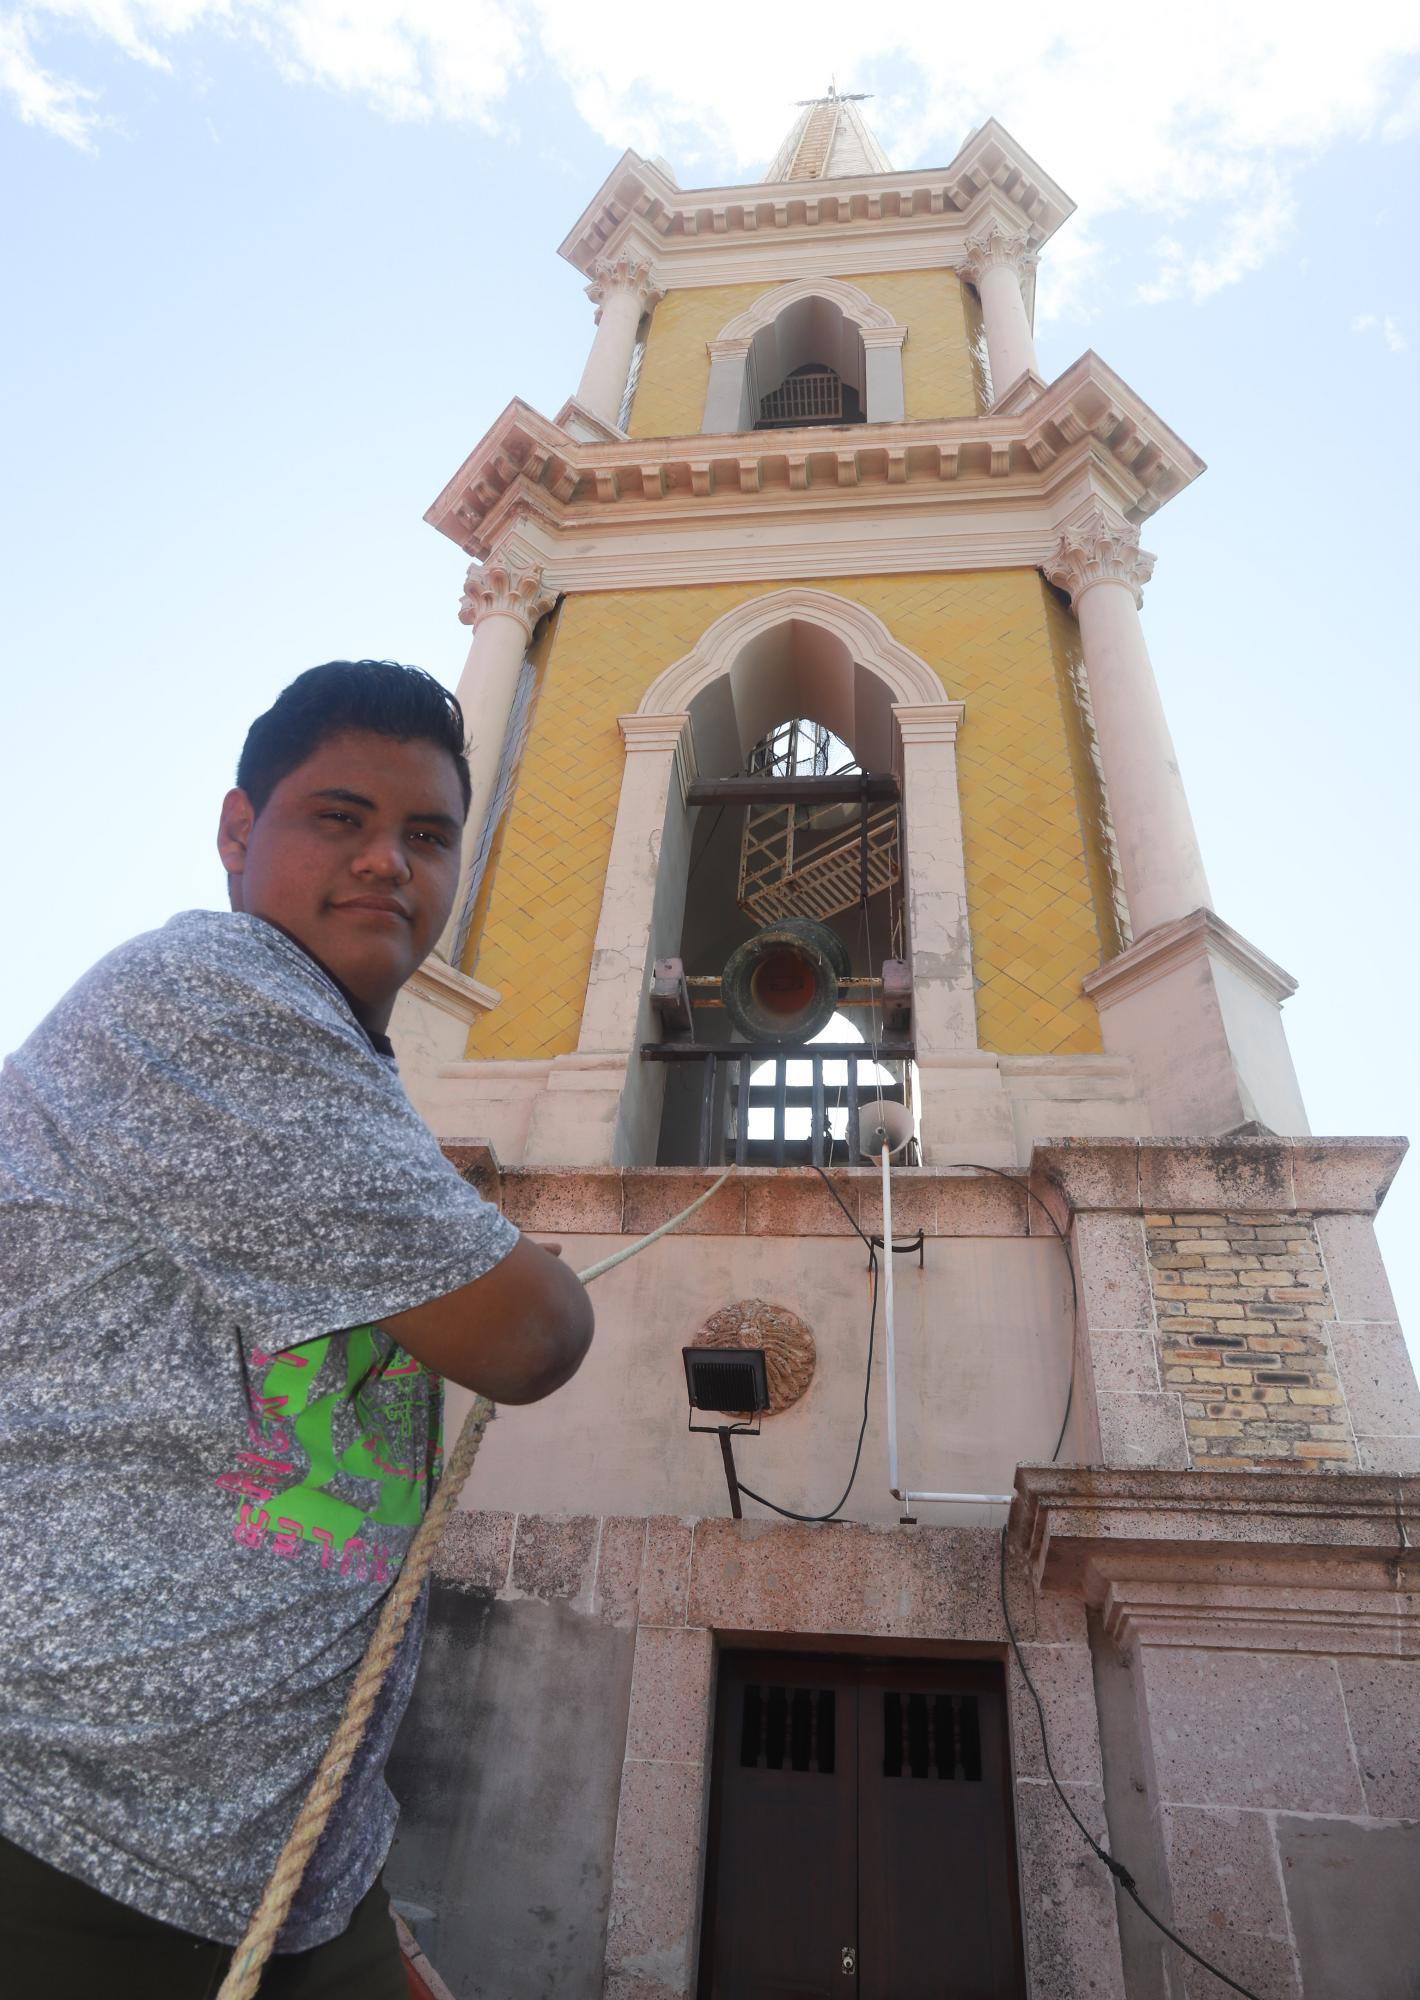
<point>860,1833</point>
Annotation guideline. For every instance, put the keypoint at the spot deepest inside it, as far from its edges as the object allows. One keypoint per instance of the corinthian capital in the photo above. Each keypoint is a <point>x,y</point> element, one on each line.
<point>993,244</point>
<point>1099,547</point>
<point>508,586</point>
<point>628,271</point>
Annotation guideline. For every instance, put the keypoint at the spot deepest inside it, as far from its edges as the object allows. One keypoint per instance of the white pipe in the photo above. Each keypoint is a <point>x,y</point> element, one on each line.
<point>969,1499</point>
<point>887,1315</point>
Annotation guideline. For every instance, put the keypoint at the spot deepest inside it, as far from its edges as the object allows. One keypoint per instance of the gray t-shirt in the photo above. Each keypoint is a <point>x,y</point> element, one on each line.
<point>212,1188</point>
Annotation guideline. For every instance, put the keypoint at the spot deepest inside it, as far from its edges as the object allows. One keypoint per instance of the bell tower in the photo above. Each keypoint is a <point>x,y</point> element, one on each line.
<point>822,789</point>
<point>812,474</point>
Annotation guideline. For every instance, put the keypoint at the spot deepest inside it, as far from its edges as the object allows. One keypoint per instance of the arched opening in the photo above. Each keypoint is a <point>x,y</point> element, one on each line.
<point>794,706</point>
<point>807,368</point>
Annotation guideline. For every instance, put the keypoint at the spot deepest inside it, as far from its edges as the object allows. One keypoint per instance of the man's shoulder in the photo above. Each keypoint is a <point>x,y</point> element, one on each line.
<point>202,962</point>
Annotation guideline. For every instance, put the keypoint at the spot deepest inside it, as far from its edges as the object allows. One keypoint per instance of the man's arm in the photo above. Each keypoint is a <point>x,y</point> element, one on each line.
<point>515,1334</point>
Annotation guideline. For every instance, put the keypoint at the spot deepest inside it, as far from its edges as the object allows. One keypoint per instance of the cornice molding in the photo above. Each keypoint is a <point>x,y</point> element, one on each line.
<point>637,194</point>
<point>506,586</point>
<point>1087,421</point>
<point>664,732</point>
<point>1285,1561</point>
<point>1162,950</point>
<point>928,721</point>
<point>1099,547</point>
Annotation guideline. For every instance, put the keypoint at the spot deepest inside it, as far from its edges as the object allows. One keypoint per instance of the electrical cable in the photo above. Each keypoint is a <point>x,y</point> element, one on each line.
<point>789,1513</point>
<point>1019,1180</point>
<point>1116,1868</point>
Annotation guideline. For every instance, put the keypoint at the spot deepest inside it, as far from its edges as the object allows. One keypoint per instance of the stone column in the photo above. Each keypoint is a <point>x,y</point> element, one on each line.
<point>995,260</point>
<point>727,394</point>
<point>965,1113</point>
<point>503,599</point>
<point>1099,562</point>
<point>622,288</point>
<point>643,903</point>
<point>882,385</point>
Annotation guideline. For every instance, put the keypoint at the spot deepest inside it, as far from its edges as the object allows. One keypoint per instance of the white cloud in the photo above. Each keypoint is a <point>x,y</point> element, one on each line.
<point>1200,117</point>
<point>1386,325</point>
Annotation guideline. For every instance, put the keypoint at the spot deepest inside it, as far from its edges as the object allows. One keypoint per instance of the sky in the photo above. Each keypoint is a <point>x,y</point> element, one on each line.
<point>273,268</point>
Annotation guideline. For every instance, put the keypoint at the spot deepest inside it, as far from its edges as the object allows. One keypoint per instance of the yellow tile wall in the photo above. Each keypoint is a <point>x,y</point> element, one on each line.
<point>1041,915</point>
<point>937,371</point>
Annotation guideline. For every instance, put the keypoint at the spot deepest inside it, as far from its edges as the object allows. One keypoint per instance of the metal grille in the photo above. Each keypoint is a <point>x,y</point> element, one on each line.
<point>931,1736</point>
<point>788,1729</point>
<point>809,395</point>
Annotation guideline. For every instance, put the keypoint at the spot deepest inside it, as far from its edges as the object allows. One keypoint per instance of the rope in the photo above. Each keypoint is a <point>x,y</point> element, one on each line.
<point>249,1959</point>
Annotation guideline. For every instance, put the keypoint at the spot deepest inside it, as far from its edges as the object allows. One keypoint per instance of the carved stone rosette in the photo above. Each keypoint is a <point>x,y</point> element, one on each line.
<point>995,245</point>
<point>1099,547</point>
<point>508,586</point>
<point>789,1352</point>
<point>626,272</point>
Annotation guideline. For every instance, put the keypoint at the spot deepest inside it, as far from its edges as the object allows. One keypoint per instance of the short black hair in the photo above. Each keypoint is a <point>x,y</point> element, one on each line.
<point>375,695</point>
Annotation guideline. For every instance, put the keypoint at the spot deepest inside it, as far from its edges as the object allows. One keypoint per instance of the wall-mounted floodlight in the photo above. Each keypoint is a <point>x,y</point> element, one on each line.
<point>728,1381</point>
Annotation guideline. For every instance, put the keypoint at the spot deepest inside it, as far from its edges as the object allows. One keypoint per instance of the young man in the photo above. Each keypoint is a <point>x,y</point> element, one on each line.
<point>233,1266</point>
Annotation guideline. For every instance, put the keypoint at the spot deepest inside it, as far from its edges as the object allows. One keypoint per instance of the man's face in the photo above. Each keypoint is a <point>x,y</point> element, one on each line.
<point>356,856</point>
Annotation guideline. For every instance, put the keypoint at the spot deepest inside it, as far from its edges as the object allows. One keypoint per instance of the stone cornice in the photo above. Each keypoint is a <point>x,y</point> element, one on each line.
<point>638,195</point>
<point>928,722</point>
<point>1168,946</point>
<point>1099,546</point>
<point>1087,417</point>
<point>1285,1561</point>
<point>1282,1176</point>
<point>505,586</point>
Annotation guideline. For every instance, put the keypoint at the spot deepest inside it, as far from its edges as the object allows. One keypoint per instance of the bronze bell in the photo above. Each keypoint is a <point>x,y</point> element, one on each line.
<point>781,985</point>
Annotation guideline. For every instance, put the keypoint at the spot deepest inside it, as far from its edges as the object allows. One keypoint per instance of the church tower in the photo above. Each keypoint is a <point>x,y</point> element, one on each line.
<point>823,790</point>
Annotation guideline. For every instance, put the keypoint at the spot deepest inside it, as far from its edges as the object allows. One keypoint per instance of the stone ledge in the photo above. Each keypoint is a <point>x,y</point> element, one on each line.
<point>757,1201</point>
<point>1328,1176</point>
<point>1271,1561</point>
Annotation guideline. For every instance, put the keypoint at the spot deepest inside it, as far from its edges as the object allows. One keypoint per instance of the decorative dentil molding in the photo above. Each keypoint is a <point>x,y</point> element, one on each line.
<point>627,271</point>
<point>1099,547</point>
<point>1018,249</point>
<point>508,587</point>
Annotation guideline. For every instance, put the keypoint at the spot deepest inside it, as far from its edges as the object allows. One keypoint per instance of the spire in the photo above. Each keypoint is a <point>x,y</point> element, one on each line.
<point>829,139</point>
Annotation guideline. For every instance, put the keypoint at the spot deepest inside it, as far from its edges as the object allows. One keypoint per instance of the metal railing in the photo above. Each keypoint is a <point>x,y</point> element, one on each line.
<point>746,1099</point>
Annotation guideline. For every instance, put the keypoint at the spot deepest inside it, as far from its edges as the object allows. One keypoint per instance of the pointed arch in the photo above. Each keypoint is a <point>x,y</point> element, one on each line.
<point>908,677</point>
<point>805,320</point>
<point>851,300</point>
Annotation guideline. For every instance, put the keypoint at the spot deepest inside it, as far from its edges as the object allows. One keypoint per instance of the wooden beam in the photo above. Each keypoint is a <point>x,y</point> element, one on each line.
<point>879,787</point>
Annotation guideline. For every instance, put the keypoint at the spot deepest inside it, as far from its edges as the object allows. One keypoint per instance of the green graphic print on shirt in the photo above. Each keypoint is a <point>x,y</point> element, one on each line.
<point>375,1428</point>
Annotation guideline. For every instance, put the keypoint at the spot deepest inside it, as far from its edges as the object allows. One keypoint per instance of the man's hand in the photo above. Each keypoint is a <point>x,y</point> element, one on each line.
<point>515,1334</point>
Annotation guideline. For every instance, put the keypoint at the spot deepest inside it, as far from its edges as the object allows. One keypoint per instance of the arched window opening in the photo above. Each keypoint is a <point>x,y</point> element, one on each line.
<point>813,394</point>
<point>799,828</point>
<point>807,369</point>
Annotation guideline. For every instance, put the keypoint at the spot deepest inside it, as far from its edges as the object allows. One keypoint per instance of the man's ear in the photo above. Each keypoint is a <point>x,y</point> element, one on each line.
<point>234,834</point>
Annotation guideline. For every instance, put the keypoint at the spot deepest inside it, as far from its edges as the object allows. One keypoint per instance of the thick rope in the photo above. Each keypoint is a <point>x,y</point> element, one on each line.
<point>249,1959</point>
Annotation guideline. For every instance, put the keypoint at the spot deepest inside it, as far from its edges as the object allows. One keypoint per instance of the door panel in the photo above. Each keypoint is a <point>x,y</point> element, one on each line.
<point>860,1833</point>
<point>936,1904</point>
<point>784,1840</point>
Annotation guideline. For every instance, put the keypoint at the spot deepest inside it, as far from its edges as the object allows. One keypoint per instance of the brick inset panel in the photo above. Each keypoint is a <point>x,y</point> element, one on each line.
<point>1242,1305</point>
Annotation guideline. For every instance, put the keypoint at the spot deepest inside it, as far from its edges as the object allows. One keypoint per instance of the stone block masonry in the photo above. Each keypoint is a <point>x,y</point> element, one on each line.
<point>1243,1309</point>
